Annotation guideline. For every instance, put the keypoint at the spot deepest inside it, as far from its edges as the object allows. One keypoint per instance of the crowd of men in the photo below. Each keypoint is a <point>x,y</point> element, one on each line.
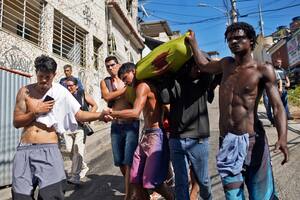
<point>175,135</point>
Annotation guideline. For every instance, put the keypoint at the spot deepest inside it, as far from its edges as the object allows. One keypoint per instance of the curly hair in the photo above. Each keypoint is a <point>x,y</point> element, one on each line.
<point>45,63</point>
<point>247,28</point>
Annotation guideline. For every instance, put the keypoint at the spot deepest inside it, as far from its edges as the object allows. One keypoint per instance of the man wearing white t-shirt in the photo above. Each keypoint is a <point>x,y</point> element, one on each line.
<point>44,109</point>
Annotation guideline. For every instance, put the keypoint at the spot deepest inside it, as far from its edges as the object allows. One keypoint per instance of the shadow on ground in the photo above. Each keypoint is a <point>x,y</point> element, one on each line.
<point>104,187</point>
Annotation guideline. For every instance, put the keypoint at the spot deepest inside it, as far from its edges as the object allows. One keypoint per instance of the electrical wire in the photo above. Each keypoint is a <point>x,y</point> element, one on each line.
<point>270,10</point>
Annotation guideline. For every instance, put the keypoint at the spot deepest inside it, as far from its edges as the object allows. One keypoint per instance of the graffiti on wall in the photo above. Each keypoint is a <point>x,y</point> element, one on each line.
<point>15,58</point>
<point>87,76</point>
<point>87,15</point>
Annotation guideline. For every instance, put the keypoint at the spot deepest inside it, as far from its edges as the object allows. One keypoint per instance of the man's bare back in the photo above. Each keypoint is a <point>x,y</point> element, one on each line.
<point>153,109</point>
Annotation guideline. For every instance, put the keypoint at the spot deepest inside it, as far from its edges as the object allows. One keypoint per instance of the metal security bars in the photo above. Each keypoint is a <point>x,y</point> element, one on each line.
<point>69,40</point>
<point>23,18</point>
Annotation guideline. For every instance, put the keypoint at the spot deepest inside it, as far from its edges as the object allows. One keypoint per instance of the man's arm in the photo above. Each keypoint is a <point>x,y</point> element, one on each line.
<point>142,91</point>
<point>107,95</point>
<point>27,109</point>
<point>214,67</point>
<point>91,102</point>
<point>85,116</point>
<point>280,86</point>
<point>278,110</point>
<point>287,83</point>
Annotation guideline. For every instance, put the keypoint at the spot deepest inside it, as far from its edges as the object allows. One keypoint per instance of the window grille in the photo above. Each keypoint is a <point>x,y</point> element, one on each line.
<point>112,46</point>
<point>97,44</point>
<point>129,7</point>
<point>69,40</point>
<point>23,18</point>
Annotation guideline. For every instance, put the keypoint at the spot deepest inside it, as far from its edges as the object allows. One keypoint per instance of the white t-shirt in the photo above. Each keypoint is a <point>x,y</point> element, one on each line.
<point>62,116</point>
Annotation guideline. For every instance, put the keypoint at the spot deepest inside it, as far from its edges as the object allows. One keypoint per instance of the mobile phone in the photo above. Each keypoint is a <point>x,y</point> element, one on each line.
<point>48,98</point>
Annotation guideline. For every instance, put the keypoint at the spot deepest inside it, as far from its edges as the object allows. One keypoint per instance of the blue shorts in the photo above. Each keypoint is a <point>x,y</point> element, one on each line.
<point>124,140</point>
<point>256,174</point>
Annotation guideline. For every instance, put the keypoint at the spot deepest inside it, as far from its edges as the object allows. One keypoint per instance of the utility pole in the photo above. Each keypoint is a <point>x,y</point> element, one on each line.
<point>261,22</point>
<point>234,15</point>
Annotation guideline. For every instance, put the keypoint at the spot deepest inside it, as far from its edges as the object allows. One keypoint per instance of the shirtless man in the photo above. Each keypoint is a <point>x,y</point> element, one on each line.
<point>241,87</point>
<point>38,161</point>
<point>150,162</point>
<point>124,132</point>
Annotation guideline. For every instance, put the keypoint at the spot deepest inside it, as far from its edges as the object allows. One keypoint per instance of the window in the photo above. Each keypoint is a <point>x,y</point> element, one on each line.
<point>97,44</point>
<point>129,7</point>
<point>69,40</point>
<point>112,46</point>
<point>23,18</point>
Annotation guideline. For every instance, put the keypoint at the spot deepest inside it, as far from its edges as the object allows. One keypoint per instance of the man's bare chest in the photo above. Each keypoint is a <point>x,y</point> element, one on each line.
<point>240,83</point>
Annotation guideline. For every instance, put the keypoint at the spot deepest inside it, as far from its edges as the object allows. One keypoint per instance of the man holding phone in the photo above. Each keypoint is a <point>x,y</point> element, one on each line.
<point>38,161</point>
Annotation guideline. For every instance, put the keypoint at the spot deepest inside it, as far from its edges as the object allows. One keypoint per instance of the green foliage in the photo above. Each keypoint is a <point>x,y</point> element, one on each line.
<point>294,96</point>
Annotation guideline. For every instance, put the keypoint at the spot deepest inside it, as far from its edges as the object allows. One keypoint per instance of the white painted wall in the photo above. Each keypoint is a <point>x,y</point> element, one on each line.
<point>19,53</point>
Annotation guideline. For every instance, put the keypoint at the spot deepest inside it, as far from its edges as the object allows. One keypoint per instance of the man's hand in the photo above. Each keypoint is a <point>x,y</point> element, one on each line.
<point>105,115</point>
<point>191,39</point>
<point>282,146</point>
<point>38,107</point>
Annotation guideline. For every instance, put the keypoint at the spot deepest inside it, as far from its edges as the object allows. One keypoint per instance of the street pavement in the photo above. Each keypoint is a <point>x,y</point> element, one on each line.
<point>104,181</point>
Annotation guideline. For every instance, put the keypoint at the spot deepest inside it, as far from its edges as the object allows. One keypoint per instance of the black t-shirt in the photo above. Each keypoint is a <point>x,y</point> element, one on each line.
<point>188,106</point>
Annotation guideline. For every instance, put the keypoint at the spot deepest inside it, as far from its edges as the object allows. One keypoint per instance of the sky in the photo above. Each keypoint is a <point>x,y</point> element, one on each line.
<point>209,23</point>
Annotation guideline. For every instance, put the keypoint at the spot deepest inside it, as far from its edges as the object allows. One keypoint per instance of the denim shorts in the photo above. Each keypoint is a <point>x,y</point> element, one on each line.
<point>124,140</point>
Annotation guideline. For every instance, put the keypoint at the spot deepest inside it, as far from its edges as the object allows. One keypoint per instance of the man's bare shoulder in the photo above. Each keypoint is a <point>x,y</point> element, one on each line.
<point>143,84</point>
<point>27,89</point>
<point>226,61</point>
<point>264,67</point>
<point>102,83</point>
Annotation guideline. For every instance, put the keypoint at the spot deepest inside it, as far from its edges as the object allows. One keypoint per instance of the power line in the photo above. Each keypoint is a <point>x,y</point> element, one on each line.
<point>219,17</point>
<point>172,13</point>
<point>169,4</point>
<point>169,20</point>
<point>201,21</point>
<point>270,10</point>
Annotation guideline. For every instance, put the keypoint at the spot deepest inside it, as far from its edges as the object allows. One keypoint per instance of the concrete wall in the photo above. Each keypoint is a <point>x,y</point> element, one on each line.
<point>122,36</point>
<point>91,16</point>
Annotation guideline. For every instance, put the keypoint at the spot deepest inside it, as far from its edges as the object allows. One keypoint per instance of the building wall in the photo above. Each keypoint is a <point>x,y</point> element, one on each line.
<point>122,39</point>
<point>260,51</point>
<point>293,48</point>
<point>124,47</point>
<point>20,45</point>
<point>281,53</point>
<point>90,16</point>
